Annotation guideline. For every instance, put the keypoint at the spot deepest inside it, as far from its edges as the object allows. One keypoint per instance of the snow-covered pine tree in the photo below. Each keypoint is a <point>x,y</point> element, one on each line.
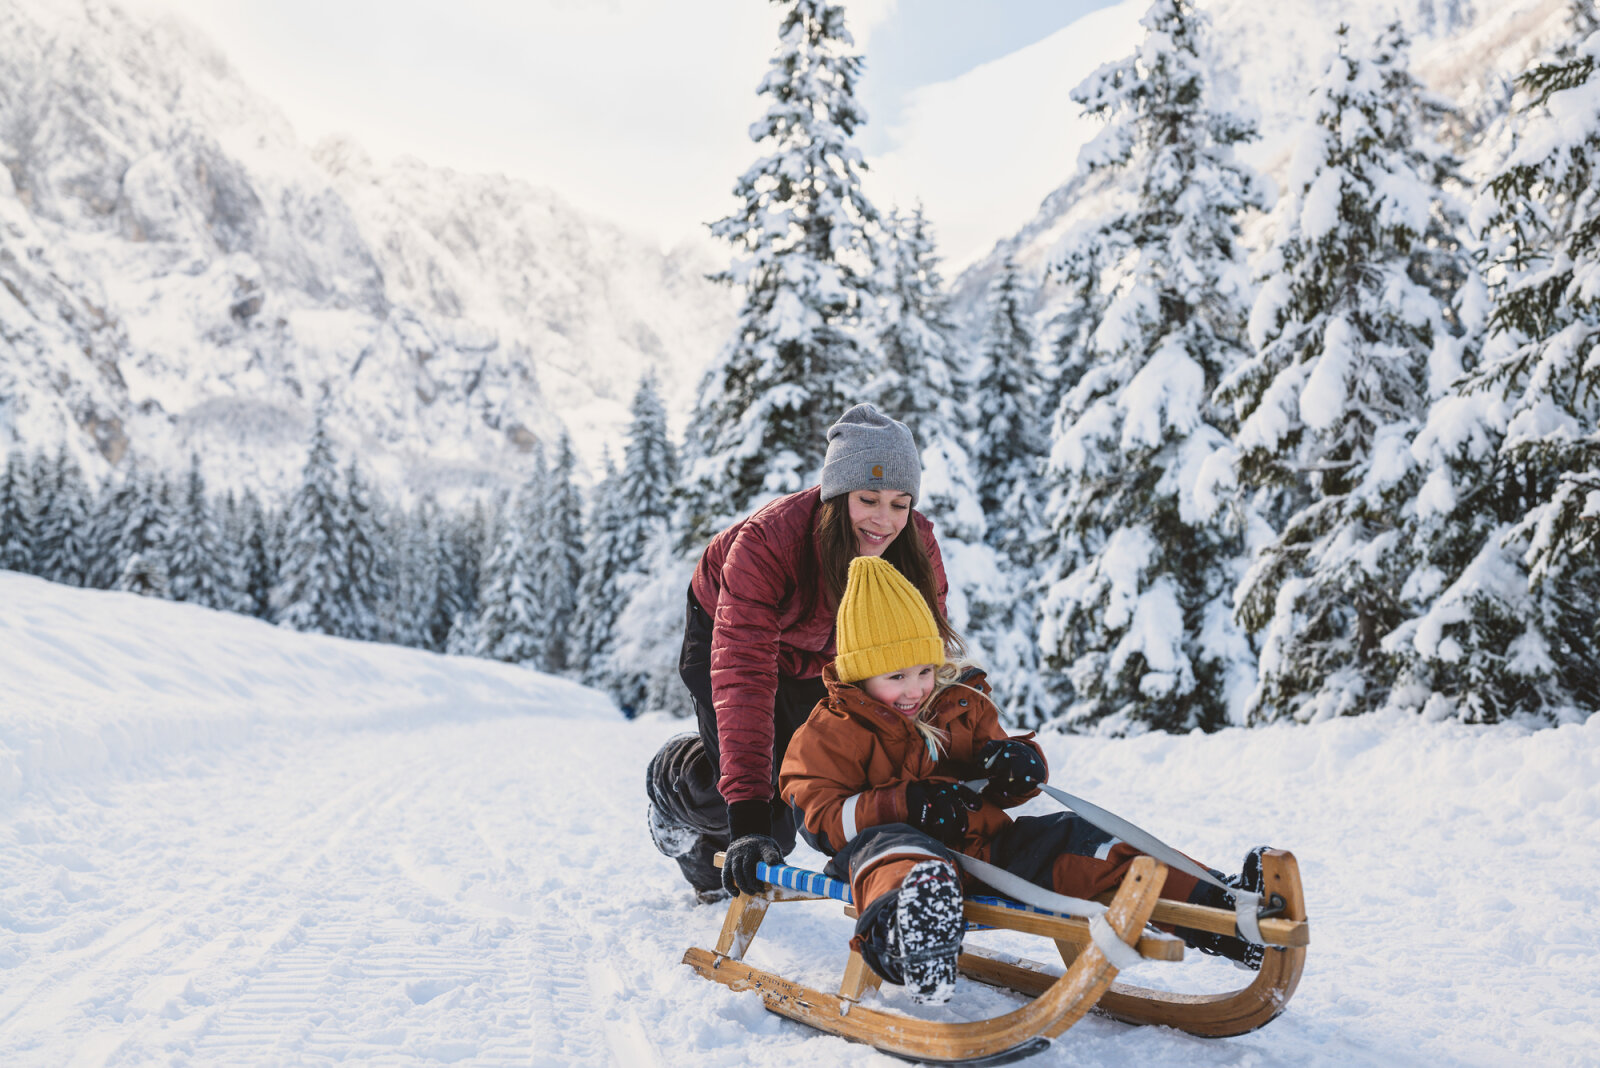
<point>1343,330</point>
<point>509,624</point>
<point>467,547</point>
<point>141,546</point>
<point>369,571</point>
<point>1008,438</point>
<point>311,594</point>
<point>257,570</point>
<point>649,469</point>
<point>918,383</point>
<point>16,515</point>
<point>803,255</point>
<point>62,549</point>
<point>606,559</point>
<point>105,529</point>
<point>558,556</point>
<point>1138,610</point>
<point>630,515</point>
<point>198,570</point>
<point>996,589</point>
<point>1513,627</point>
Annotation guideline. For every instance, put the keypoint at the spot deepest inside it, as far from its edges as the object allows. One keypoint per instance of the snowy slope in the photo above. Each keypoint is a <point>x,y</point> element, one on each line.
<point>226,843</point>
<point>178,272</point>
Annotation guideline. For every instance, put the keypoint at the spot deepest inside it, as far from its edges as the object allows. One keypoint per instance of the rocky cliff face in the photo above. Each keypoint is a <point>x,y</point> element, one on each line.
<point>178,273</point>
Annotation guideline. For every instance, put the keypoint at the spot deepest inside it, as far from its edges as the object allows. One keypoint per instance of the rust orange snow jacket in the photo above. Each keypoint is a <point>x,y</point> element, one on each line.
<point>848,766</point>
<point>765,625</point>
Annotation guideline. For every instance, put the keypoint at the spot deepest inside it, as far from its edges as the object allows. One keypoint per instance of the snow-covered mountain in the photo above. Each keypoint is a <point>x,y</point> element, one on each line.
<point>1466,51</point>
<point>178,273</point>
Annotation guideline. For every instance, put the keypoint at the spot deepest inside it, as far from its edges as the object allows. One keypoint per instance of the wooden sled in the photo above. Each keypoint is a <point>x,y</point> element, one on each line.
<point>1058,1000</point>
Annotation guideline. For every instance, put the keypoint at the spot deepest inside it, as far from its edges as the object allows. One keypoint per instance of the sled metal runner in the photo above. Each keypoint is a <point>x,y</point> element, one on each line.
<point>1058,1000</point>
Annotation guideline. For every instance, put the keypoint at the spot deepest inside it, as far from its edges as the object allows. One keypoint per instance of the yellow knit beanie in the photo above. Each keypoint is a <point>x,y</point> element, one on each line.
<point>883,624</point>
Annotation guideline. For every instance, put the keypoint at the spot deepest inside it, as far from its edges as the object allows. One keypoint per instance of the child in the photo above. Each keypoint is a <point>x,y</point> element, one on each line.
<point>874,776</point>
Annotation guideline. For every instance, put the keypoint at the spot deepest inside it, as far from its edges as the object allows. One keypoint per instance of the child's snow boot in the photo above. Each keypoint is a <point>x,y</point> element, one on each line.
<point>924,937</point>
<point>1246,955</point>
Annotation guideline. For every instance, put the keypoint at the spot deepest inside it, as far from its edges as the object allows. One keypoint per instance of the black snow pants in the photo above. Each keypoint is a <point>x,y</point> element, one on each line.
<point>682,778</point>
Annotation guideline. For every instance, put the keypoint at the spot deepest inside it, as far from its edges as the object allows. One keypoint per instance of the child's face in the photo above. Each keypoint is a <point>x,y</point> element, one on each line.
<point>903,690</point>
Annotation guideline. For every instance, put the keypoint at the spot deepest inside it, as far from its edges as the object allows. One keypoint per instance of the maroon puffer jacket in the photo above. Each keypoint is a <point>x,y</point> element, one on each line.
<point>748,582</point>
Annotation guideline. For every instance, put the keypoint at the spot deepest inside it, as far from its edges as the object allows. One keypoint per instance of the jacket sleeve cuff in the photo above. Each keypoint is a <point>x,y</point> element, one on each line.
<point>749,817</point>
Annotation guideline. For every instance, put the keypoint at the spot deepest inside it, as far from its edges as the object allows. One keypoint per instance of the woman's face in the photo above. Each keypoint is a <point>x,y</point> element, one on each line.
<point>877,517</point>
<point>903,690</point>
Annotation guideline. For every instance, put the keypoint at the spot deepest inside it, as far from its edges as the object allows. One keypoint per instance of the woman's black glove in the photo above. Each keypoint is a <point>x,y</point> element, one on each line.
<point>940,809</point>
<point>1014,769</point>
<point>750,831</point>
<point>739,863</point>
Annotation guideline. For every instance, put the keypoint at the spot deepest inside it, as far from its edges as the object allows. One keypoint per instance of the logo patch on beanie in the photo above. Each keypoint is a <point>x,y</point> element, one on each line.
<point>877,472</point>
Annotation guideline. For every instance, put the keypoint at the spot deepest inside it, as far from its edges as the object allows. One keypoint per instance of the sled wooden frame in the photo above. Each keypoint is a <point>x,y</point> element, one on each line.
<point>1059,1000</point>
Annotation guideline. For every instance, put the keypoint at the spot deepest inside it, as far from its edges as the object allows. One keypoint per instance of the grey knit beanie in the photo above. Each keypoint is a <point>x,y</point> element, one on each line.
<point>868,450</point>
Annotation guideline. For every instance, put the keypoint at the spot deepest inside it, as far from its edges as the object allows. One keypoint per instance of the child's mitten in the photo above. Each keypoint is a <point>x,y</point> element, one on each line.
<point>1014,769</point>
<point>940,809</point>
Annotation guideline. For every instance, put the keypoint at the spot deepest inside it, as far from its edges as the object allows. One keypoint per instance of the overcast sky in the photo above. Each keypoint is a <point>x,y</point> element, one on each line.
<point>638,110</point>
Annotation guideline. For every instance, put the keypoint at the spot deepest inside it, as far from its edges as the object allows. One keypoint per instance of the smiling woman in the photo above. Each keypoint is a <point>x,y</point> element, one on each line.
<point>760,629</point>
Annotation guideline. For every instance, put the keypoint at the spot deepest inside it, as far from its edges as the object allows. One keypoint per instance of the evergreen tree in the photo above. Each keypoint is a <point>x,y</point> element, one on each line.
<point>1139,605</point>
<point>804,259</point>
<point>311,594</point>
<point>368,570</point>
<point>918,381</point>
<point>1008,442</point>
<point>105,530</point>
<point>141,545</point>
<point>509,623</point>
<point>1511,626</point>
<point>558,560</point>
<point>467,548</point>
<point>257,569</point>
<point>649,471</point>
<point>1348,315</point>
<point>16,515</point>
<point>63,548</point>
<point>198,568</point>
<point>609,557</point>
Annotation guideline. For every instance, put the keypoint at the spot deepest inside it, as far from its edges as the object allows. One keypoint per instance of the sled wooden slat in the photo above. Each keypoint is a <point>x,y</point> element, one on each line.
<point>1062,928</point>
<point>1211,1015</point>
<point>1057,1008</point>
<point>1275,930</point>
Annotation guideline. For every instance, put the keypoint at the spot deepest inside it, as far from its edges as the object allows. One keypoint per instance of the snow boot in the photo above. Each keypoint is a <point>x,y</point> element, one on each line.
<point>693,851</point>
<point>1246,955</point>
<point>924,936</point>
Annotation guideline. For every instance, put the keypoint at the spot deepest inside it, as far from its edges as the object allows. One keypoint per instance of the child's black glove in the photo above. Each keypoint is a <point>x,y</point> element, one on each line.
<point>1012,767</point>
<point>940,809</point>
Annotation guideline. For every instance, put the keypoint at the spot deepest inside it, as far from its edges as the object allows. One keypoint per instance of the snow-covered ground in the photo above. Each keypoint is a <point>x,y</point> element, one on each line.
<point>222,843</point>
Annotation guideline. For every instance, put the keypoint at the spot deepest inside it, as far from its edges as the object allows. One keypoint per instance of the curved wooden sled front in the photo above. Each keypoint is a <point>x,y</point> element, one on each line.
<point>1059,1005</point>
<point>1209,1015</point>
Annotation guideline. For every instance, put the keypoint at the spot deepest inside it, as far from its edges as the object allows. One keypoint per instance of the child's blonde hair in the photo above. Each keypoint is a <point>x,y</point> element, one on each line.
<point>947,676</point>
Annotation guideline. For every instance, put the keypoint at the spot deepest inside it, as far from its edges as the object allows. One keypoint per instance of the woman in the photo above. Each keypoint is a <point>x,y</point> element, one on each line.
<point>758,633</point>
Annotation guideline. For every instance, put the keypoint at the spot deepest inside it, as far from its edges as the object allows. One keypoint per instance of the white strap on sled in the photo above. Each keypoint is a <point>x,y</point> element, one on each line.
<point>1246,904</point>
<point>1121,955</point>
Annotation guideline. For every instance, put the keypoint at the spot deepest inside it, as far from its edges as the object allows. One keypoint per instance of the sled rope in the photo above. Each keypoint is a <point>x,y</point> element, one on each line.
<point>1121,955</point>
<point>1246,905</point>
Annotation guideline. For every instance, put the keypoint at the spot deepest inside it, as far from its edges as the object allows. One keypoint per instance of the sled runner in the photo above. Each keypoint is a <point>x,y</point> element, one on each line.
<point>1093,951</point>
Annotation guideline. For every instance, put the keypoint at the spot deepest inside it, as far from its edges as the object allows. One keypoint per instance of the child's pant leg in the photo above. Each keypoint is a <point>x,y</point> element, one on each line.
<point>875,862</point>
<point>1071,856</point>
